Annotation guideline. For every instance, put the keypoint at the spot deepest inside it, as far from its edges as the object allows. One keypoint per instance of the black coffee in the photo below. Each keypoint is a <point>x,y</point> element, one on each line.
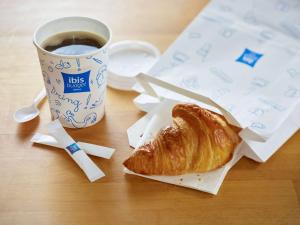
<point>73,43</point>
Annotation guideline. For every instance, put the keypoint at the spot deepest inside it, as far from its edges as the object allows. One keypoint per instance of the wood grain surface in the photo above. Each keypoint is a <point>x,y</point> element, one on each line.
<point>42,185</point>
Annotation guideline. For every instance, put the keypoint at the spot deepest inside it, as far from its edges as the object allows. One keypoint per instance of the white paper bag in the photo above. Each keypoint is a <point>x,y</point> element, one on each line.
<point>237,58</point>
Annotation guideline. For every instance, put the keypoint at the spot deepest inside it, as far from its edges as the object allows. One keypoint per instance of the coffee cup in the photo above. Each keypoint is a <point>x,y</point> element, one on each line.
<point>75,80</point>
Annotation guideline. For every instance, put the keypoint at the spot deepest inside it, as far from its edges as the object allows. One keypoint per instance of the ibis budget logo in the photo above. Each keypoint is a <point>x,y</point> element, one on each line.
<point>74,83</point>
<point>73,148</point>
<point>249,57</point>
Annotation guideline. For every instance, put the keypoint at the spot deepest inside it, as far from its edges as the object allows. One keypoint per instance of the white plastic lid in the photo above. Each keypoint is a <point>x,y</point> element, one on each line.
<point>127,59</point>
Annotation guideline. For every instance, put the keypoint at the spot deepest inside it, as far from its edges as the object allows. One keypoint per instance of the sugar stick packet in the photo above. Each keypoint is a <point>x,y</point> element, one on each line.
<point>91,149</point>
<point>72,148</point>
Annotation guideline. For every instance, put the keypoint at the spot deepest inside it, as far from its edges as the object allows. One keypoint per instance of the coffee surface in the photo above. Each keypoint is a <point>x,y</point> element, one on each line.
<point>73,43</point>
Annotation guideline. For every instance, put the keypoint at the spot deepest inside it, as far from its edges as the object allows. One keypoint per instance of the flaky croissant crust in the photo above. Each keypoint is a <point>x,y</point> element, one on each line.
<point>198,141</point>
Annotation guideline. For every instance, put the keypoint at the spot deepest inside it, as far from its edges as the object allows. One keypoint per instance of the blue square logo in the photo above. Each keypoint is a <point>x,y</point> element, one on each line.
<point>74,83</point>
<point>249,57</point>
<point>73,148</point>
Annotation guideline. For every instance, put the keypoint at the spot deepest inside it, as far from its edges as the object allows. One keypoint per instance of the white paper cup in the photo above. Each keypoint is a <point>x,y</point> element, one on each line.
<point>75,84</point>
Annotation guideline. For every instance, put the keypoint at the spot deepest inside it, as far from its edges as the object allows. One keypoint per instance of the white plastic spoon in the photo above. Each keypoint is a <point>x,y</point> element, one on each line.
<point>30,112</point>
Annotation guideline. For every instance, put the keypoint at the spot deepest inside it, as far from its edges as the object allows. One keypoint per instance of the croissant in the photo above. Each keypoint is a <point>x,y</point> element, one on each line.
<point>198,141</point>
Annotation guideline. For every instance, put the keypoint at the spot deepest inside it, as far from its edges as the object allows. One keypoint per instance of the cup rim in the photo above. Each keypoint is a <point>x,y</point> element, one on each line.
<point>71,56</point>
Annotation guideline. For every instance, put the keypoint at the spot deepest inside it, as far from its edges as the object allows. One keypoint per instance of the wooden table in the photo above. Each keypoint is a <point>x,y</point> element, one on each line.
<point>42,185</point>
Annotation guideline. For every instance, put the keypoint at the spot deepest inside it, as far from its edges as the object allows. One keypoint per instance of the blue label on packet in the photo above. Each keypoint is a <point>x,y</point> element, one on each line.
<point>74,83</point>
<point>73,148</point>
<point>249,57</point>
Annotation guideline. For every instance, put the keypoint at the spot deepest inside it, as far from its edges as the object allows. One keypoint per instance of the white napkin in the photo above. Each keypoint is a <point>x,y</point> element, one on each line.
<point>146,128</point>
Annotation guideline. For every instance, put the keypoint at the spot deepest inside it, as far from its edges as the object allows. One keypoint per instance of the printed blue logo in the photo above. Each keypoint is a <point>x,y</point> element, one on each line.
<point>74,83</point>
<point>249,57</point>
<point>73,148</point>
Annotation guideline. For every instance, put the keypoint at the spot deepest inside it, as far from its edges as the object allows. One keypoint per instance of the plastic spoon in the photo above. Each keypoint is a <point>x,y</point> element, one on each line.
<point>30,112</point>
